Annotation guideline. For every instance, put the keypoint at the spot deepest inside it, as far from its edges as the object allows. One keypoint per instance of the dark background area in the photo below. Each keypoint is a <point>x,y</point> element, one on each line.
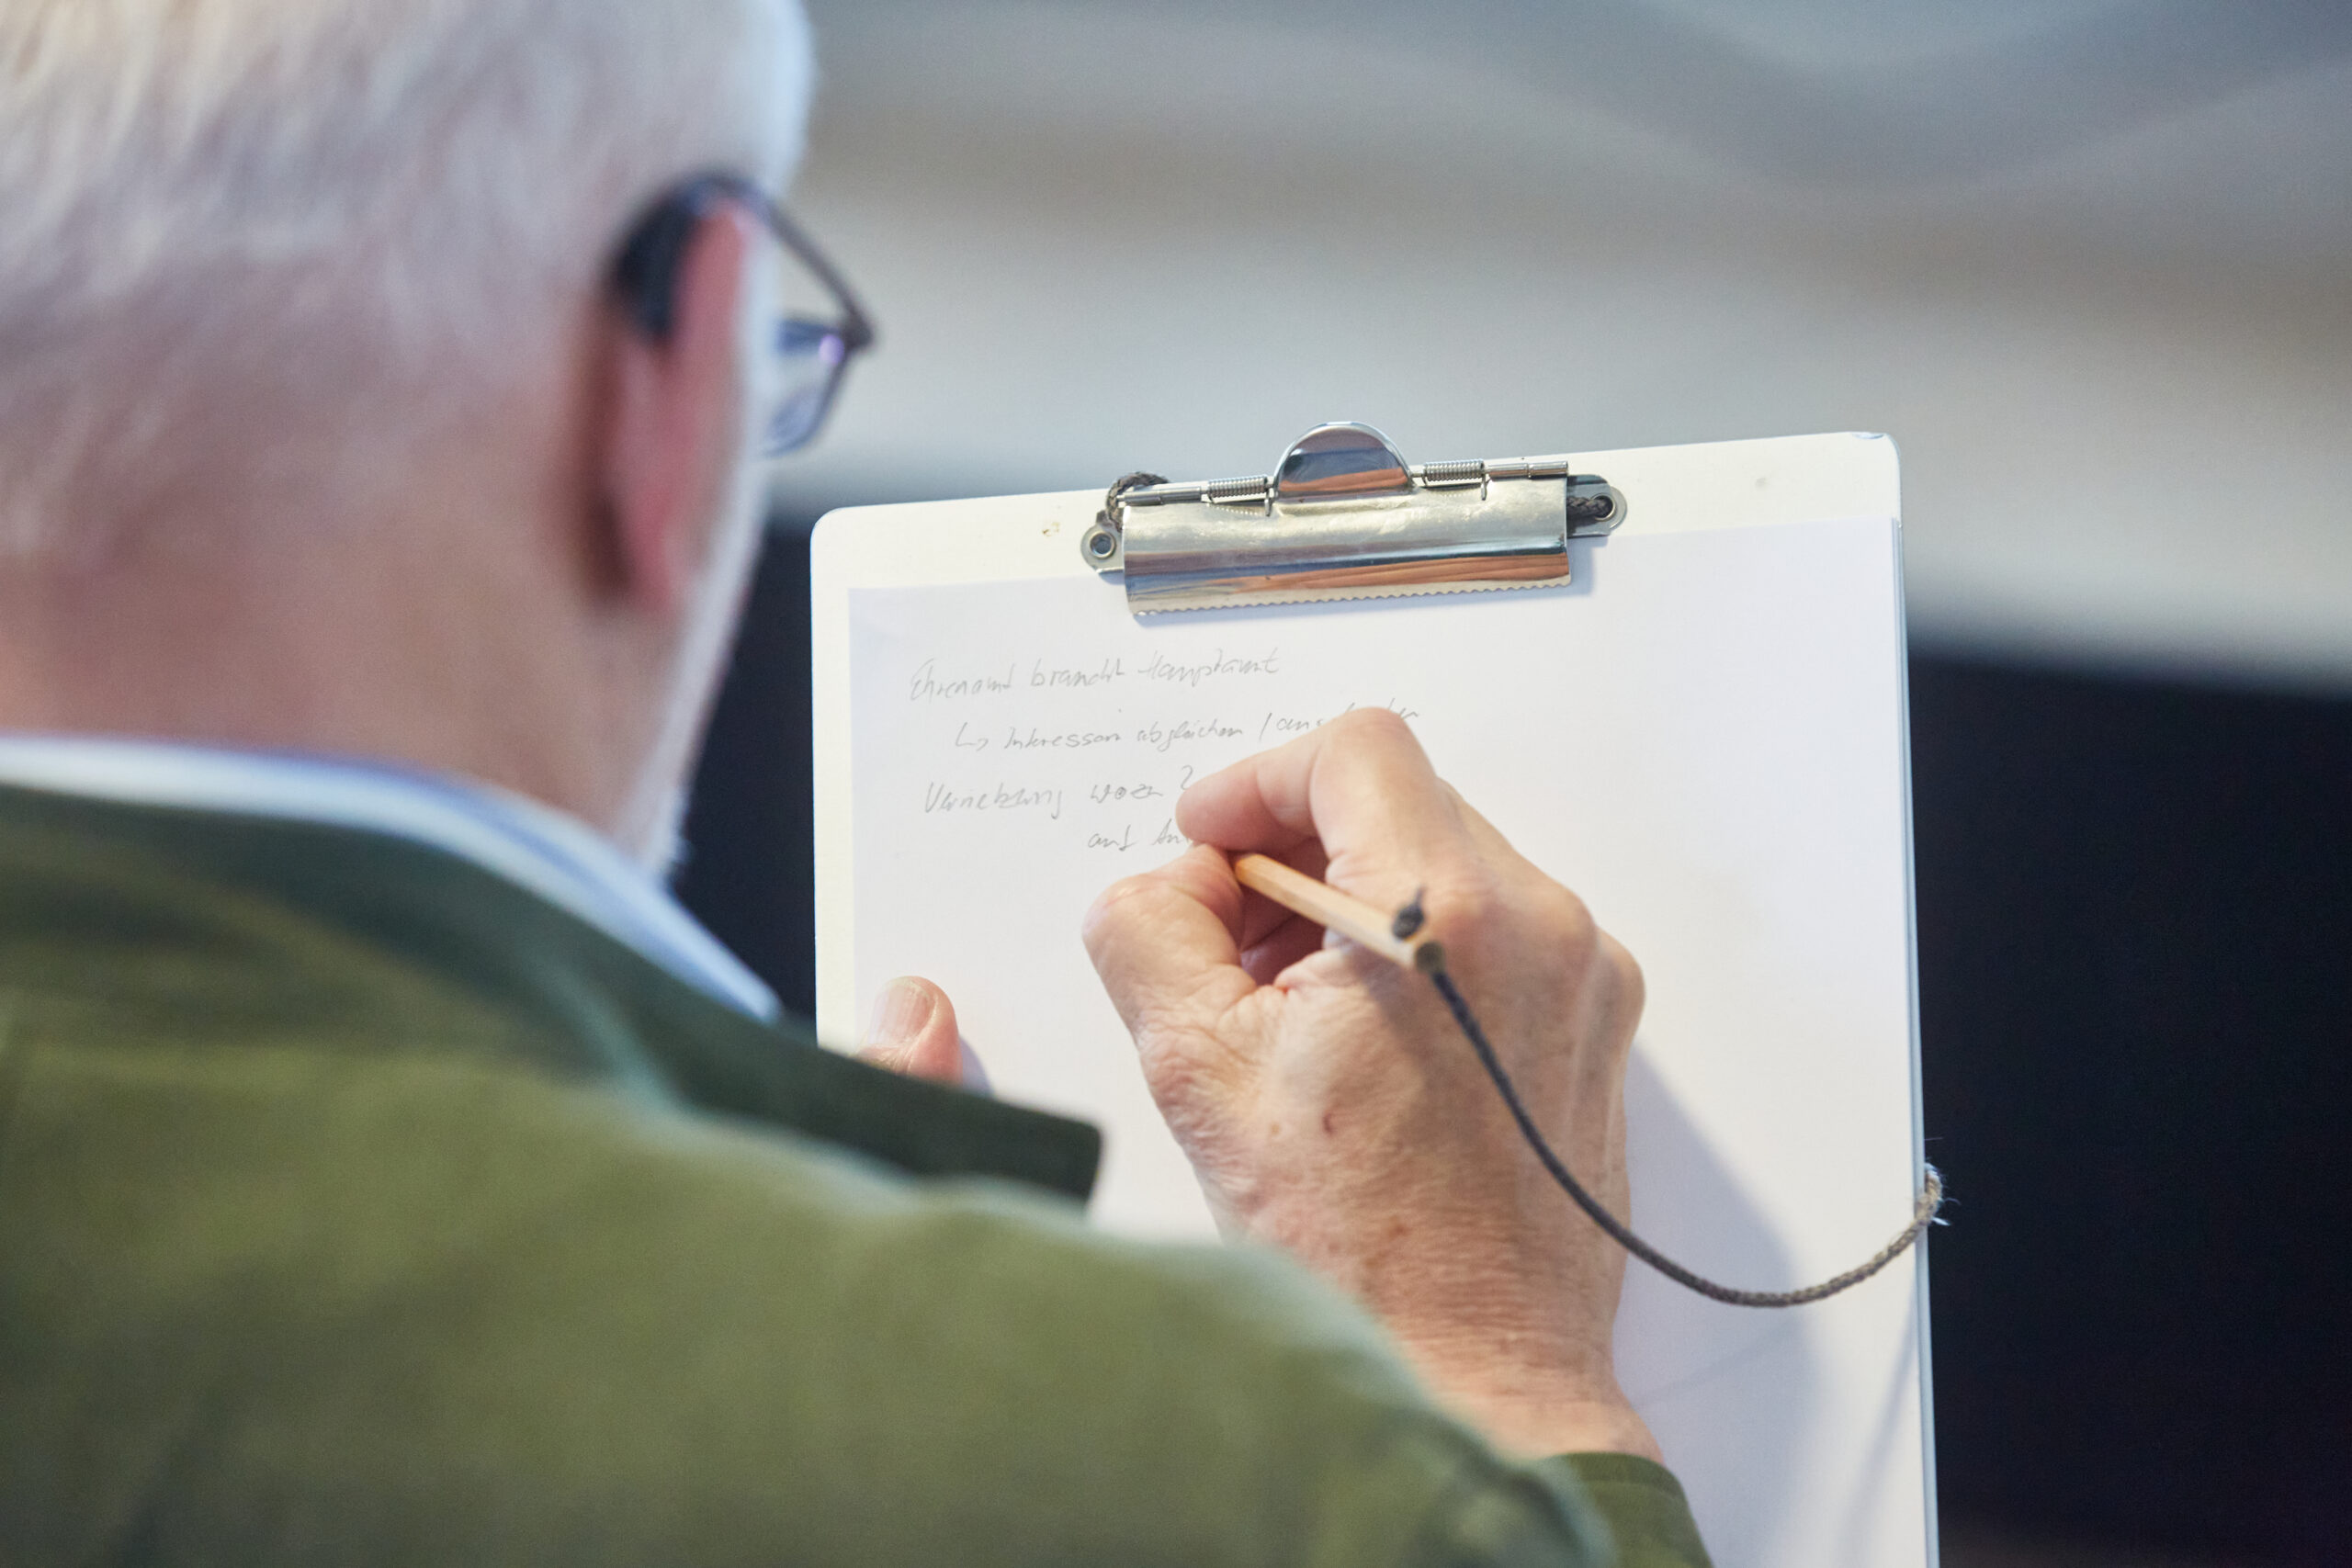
<point>2135,949</point>
<point>2135,912</point>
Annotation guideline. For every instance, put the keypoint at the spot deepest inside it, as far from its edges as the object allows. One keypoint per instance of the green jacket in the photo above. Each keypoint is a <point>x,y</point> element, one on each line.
<point>357,1206</point>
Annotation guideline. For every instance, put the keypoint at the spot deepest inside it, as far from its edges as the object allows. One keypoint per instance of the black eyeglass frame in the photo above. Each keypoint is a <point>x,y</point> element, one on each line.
<point>645,275</point>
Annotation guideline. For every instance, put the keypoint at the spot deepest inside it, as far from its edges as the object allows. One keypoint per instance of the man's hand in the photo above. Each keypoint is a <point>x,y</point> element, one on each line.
<point>1330,1104</point>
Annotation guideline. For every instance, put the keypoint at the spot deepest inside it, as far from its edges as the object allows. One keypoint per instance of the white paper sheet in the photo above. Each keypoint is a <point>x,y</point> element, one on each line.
<point>1703,736</point>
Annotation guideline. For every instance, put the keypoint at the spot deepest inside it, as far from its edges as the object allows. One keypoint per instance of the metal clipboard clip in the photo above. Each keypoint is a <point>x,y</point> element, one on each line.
<point>1345,517</point>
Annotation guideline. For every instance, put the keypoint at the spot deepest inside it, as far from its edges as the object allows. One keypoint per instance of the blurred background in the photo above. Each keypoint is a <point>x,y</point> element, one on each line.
<point>2088,261</point>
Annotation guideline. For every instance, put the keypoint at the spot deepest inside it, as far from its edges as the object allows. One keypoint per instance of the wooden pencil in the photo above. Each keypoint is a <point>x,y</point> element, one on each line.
<point>1335,911</point>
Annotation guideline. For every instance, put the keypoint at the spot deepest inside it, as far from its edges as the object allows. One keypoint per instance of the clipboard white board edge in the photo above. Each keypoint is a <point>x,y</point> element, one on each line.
<point>1918,1100</point>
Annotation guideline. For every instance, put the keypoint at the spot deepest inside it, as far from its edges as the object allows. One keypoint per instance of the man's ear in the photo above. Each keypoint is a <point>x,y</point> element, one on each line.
<point>674,421</point>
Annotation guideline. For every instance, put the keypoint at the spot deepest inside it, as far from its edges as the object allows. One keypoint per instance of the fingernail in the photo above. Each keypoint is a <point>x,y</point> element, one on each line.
<point>900,1013</point>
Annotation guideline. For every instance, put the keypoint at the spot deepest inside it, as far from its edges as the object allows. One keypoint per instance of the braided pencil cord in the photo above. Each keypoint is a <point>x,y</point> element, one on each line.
<point>1923,1214</point>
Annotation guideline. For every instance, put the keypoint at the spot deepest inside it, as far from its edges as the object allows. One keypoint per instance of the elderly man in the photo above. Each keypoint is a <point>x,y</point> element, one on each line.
<point>389,1172</point>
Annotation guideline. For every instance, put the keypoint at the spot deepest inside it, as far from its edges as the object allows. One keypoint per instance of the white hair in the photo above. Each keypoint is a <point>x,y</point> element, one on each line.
<point>352,205</point>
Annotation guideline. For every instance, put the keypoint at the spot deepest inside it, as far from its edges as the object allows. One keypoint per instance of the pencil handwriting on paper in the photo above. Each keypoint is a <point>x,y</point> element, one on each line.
<point>1110,669</point>
<point>1033,739</point>
<point>930,685</point>
<point>1162,736</point>
<point>1192,673</point>
<point>1277,728</point>
<point>1094,752</point>
<point>933,684</point>
<point>940,798</point>
<point>1165,840</point>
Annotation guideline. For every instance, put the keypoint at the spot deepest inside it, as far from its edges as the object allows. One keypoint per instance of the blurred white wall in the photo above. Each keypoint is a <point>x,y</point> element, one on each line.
<point>2089,263</point>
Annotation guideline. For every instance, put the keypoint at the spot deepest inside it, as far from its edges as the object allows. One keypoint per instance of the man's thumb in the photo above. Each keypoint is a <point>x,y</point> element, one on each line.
<point>912,1030</point>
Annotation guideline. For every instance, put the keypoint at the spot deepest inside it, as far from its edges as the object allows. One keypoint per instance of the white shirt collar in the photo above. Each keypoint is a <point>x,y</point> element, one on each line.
<point>554,855</point>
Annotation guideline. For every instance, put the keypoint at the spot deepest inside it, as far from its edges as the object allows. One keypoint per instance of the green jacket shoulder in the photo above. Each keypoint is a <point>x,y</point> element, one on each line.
<point>352,1210</point>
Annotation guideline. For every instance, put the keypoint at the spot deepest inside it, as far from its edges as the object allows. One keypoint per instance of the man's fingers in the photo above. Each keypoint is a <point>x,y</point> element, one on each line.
<point>1261,916</point>
<point>1294,938</point>
<point>1360,784</point>
<point>912,1032</point>
<point>1166,943</point>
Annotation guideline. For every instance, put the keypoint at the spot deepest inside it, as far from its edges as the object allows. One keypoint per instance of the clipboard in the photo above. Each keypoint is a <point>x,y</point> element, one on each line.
<point>1673,676</point>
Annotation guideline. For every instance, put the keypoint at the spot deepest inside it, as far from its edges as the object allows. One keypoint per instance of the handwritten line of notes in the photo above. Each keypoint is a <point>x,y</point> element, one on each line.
<point>929,683</point>
<point>1097,750</point>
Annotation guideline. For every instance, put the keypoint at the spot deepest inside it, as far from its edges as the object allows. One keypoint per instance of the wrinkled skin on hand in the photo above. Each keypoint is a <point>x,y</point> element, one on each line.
<point>1330,1106</point>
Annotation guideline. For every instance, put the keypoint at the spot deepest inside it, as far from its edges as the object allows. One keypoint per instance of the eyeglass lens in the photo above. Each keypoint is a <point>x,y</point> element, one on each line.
<point>809,350</point>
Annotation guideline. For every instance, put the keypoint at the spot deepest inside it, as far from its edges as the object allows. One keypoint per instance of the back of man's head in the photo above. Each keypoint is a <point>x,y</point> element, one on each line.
<point>248,245</point>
